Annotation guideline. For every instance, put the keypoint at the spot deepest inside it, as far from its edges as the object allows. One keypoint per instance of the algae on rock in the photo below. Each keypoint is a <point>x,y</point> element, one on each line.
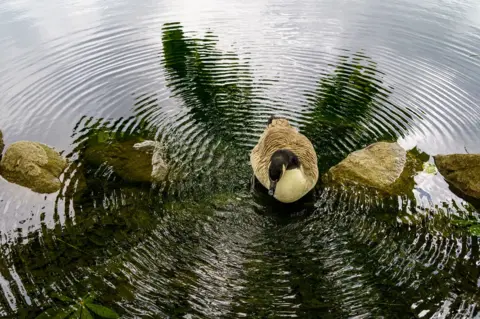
<point>159,167</point>
<point>126,161</point>
<point>462,171</point>
<point>383,166</point>
<point>33,165</point>
<point>134,157</point>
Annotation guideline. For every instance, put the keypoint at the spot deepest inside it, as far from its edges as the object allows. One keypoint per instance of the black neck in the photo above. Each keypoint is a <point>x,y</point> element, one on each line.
<point>285,157</point>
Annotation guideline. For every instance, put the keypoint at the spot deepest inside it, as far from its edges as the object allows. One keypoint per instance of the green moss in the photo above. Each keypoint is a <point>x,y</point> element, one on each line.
<point>406,182</point>
<point>128,163</point>
<point>462,172</point>
<point>223,199</point>
<point>429,168</point>
<point>56,164</point>
<point>206,205</point>
<point>33,165</point>
<point>403,185</point>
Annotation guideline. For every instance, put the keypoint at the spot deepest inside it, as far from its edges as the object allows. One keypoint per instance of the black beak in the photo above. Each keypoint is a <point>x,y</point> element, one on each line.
<point>273,184</point>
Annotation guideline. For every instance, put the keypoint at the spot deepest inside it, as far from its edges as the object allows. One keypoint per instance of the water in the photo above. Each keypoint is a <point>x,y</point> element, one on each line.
<point>203,78</point>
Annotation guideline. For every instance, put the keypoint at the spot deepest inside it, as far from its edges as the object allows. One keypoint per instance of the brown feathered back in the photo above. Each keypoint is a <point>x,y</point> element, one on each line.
<point>279,134</point>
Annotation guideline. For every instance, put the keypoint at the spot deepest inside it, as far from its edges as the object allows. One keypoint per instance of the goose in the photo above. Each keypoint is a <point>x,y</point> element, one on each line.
<point>284,161</point>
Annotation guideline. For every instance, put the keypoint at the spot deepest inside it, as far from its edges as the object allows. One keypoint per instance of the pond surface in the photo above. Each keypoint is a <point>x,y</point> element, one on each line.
<point>203,77</point>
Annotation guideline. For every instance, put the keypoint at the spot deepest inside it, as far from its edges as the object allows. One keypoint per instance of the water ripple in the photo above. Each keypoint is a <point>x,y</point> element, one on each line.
<point>201,244</point>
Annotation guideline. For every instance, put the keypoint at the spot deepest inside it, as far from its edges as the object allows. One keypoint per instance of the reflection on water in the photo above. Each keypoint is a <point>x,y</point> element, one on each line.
<point>215,87</point>
<point>201,244</point>
<point>350,110</point>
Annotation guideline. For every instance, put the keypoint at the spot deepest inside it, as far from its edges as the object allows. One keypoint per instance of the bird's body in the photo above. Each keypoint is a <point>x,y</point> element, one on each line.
<point>283,146</point>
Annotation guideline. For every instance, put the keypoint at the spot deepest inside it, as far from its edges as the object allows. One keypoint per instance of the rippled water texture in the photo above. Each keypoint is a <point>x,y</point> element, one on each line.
<point>203,77</point>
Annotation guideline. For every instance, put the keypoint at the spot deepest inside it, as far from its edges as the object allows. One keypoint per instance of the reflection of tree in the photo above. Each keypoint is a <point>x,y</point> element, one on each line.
<point>344,111</point>
<point>269,293</point>
<point>111,215</point>
<point>104,215</point>
<point>215,87</point>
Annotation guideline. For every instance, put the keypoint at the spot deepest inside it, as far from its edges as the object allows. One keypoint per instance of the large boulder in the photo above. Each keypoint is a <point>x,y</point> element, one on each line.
<point>462,171</point>
<point>2,145</point>
<point>383,166</point>
<point>33,165</point>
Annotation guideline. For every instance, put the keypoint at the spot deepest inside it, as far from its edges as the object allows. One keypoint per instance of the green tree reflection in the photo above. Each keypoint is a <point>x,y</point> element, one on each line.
<point>350,109</point>
<point>112,214</point>
<point>216,87</point>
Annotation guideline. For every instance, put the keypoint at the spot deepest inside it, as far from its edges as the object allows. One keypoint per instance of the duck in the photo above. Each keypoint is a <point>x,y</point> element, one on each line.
<point>284,161</point>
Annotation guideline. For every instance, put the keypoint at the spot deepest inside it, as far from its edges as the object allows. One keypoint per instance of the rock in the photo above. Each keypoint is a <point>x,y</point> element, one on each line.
<point>2,145</point>
<point>132,161</point>
<point>33,165</point>
<point>462,171</point>
<point>384,166</point>
<point>159,167</point>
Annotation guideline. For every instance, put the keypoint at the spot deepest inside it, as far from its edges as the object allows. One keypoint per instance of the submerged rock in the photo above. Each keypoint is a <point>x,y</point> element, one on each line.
<point>2,145</point>
<point>33,165</point>
<point>384,166</point>
<point>121,158</point>
<point>130,160</point>
<point>462,171</point>
<point>159,167</point>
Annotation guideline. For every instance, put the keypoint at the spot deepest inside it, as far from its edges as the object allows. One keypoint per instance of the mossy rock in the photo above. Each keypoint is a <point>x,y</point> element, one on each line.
<point>131,164</point>
<point>383,166</point>
<point>461,171</point>
<point>33,165</point>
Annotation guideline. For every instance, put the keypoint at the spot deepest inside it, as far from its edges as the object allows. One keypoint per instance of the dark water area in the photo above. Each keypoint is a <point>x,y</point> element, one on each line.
<point>203,78</point>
